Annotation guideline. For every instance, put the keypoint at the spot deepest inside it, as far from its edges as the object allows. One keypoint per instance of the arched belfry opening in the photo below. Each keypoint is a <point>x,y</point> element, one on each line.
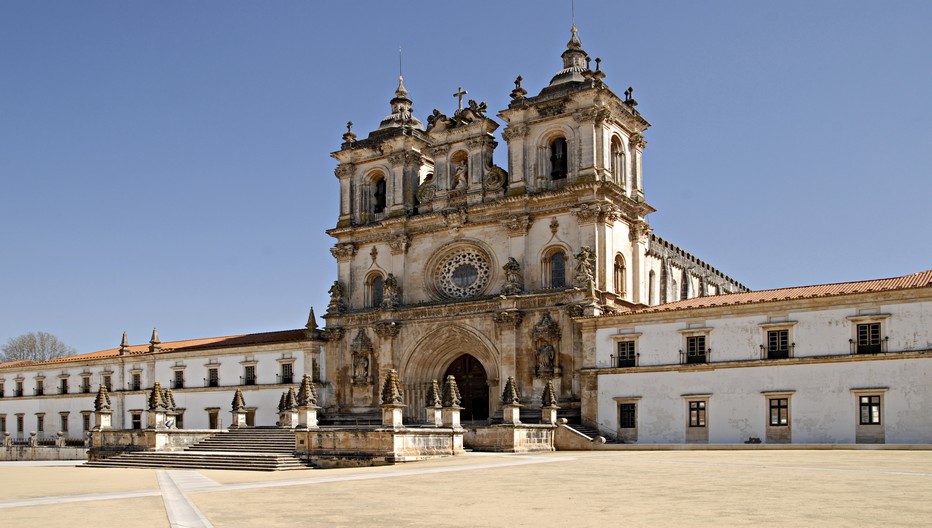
<point>473,384</point>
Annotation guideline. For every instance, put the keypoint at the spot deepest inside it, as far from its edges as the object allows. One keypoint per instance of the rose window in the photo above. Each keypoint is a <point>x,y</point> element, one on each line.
<point>464,273</point>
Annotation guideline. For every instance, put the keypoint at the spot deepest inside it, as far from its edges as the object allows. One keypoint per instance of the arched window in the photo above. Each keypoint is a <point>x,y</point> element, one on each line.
<point>376,290</point>
<point>618,162</point>
<point>684,294</point>
<point>651,284</point>
<point>620,274</point>
<point>673,289</point>
<point>554,265</point>
<point>558,156</point>
<point>378,195</point>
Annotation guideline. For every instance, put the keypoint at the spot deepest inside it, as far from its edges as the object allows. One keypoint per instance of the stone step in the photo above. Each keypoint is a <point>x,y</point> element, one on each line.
<point>592,433</point>
<point>203,460</point>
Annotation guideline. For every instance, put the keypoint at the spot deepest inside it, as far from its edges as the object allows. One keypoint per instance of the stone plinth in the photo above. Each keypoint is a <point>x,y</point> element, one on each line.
<point>156,419</point>
<point>433,416</point>
<point>392,415</point>
<point>111,442</point>
<point>288,419</point>
<point>510,438</point>
<point>307,417</point>
<point>511,414</point>
<point>450,417</point>
<point>102,420</point>
<point>239,419</point>
<point>548,415</point>
<point>328,448</point>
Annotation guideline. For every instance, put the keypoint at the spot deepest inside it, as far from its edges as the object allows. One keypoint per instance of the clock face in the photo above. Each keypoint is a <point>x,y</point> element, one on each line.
<point>462,273</point>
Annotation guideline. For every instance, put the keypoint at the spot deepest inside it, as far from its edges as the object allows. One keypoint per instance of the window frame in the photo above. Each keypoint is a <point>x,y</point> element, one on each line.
<point>869,319</point>
<point>697,413</point>
<point>632,356</point>
<point>549,258</point>
<point>687,335</point>
<point>766,352</point>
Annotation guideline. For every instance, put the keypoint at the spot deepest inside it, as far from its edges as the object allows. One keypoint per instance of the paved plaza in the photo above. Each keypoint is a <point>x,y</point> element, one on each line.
<point>636,488</point>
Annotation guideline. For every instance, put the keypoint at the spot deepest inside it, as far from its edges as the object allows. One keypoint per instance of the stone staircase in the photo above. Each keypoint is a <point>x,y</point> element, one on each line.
<point>250,449</point>
<point>592,433</point>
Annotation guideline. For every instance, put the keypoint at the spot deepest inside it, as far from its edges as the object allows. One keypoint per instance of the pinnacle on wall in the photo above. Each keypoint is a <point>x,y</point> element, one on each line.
<point>549,397</point>
<point>451,393</point>
<point>102,401</point>
<point>281,402</point>
<point>510,394</point>
<point>169,398</point>
<point>433,395</point>
<point>239,403</point>
<point>391,391</point>
<point>156,403</point>
<point>290,400</point>
<point>307,394</point>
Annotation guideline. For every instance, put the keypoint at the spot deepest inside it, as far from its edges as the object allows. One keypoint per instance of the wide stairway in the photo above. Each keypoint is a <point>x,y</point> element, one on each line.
<point>251,449</point>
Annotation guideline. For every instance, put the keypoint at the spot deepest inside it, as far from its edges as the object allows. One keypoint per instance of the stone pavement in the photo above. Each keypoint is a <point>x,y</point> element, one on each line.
<point>638,488</point>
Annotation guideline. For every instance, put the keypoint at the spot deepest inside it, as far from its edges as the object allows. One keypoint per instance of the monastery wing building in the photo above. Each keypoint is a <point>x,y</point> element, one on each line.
<point>542,269</point>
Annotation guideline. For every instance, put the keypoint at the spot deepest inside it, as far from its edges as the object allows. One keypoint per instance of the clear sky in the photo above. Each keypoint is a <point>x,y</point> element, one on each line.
<point>167,163</point>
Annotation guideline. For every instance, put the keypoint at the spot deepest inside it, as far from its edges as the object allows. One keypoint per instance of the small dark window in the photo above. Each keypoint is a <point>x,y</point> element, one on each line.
<point>627,416</point>
<point>378,290</point>
<point>695,349</point>
<point>136,382</point>
<point>378,205</point>
<point>697,414</point>
<point>64,422</point>
<point>870,410</point>
<point>250,375</point>
<point>779,412</point>
<point>626,354</point>
<point>19,423</point>
<point>40,387</point>
<point>86,384</point>
<point>558,270</point>
<point>869,338</point>
<point>778,344</point>
<point>179,421</point>
<point>86,422</point>
<point>106,382</point>
<point>18,391</point>
<point>1,390</point>
<point>137,420</point>
<point>213,377</point>
<point>63,386</point>
<point>40,423</point>
<point>558,159</point>
<point>179,379</point>
<point>287,372</point>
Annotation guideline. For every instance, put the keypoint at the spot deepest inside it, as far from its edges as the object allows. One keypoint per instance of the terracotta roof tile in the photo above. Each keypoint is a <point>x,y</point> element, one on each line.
<point>282,336</point>
<point>916,280</point>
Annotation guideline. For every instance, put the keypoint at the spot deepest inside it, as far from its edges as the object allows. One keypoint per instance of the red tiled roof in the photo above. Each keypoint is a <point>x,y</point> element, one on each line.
<point>916,280</point>
<point>282,336</point>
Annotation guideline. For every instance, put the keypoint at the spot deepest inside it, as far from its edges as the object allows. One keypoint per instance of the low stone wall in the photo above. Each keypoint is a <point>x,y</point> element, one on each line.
<point>569,439</point>
<point>21,453</point>
<point>338,447</point>
<point>112,442</point>
<point>510,438</point>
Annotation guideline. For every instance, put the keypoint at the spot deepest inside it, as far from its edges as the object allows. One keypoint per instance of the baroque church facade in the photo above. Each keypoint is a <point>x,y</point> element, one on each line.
<point>451,264</point>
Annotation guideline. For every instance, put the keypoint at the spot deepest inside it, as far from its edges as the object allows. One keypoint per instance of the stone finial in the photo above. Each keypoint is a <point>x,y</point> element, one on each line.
<point>156,403</point>
<point>451,393</point>
<point>102,401</point>
<point>290,400</point>
<point>169,398</point>
<point>307,394</point>
<point>518,92</point>
<point>281,402</point>
<point>433,395</point>
<point>311,321</point>
<point>510,394</point>
<point>154,344</point>
<point>124,345</point>
<point>349,136</point>
<point>391,391</point>
<point>549,397</point>
<point>239,403</point>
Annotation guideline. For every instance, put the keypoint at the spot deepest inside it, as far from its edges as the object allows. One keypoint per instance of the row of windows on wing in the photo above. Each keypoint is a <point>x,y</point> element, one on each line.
<point>778,346</point>
<point>558,170</point>
<point>213,379</point>
<point>39,424</point>
<point>778,412</point>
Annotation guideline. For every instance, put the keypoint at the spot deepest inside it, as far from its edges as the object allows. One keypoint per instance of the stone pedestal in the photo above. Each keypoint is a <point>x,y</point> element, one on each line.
<point>548,415</point>
<point>239,419</point>
<point>511,414</point>
<point>288,419</point>
<point>156,419</point>
<point>433,416</point>
<point>102,420</point>
<point>7,439</point>
<point>307,417</point>
<point>450,417</point>
<point>392,415</point>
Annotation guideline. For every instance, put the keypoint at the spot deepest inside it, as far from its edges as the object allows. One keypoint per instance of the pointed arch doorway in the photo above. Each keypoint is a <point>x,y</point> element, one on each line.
<point>473,384</point>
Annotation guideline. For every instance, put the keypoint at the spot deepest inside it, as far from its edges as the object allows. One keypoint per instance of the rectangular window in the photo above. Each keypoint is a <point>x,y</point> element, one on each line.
<point>1,389</point>
<point>250,377</point>
<point>106,382</point>
<point>136,381</point>
<point>697,414</point>
<point>869,338</point>
<point>778,344</point>
<point>179,379</point>
<point>19,423</point>
<point>137,420</point>
<point>2,423</point>
<point>213,377</point>
<point>779,411</point>
<point>40,387</point>
<point>63,386</point>
<point>627,415</point>
<point>85,422</point>
<point>870,410</point>
<point>64,422</point>
<point>40,423</point>
<point>179,421</point>
<point>86,384</point>
<point>18,391</point>
<point>626,354</point>
<point>695,349</point>
<point>287,372</point>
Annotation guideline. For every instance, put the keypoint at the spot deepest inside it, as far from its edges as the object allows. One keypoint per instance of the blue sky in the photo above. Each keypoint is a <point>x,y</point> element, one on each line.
<point>167,163</point>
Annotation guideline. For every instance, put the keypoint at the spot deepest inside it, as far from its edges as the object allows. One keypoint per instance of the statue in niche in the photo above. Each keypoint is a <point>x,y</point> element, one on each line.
<point>585,262</point>
<point>460,176</point>
<point>391,296</point>
<point>360,366</point>
<point>546,335</point>
<point>545,358</point>
<point>336,298</point>
<point>512,277</point>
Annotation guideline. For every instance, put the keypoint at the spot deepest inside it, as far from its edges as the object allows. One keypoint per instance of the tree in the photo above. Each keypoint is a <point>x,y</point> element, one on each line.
<point>35,346</point>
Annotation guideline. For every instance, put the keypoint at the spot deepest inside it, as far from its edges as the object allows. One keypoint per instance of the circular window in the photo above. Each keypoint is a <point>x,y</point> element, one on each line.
<point>462,273</point>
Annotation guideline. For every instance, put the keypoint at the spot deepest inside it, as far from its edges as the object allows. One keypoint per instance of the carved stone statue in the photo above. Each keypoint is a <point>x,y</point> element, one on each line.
<point>460,176</point>
<point>585,262</point>
<point>391,296</point>
<point>360,366</point>
<point>545,357</point>
<point>513,278</point>
<point>336,298</point>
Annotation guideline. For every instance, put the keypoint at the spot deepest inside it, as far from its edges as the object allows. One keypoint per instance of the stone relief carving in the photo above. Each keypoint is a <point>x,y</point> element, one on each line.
<point>336,298</point>
<point>546,337</point>
<point>509,317</point>
<point>399,243</point>
<point>585,264</point>
<point>515,131</point>
<point>391,296</point>
<point>334,333</point>
<point>343,252</point>
<point>517,224</point>
<point>426,192</point>
<point>344,170</point>
<point>637,141</point>
<point>513,279</point>
<point>387,329</point>
<point>454,219</point>
<point>495,178</point>
<point>460,175</point>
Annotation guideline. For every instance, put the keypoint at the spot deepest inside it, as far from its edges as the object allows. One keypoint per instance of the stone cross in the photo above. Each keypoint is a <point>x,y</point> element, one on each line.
<point>459,95</point>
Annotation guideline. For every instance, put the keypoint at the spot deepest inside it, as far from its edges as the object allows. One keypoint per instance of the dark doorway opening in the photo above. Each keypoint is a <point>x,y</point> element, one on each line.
<point>474,387</point>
